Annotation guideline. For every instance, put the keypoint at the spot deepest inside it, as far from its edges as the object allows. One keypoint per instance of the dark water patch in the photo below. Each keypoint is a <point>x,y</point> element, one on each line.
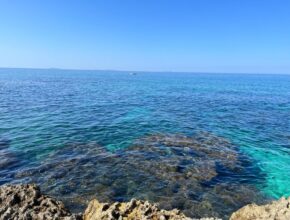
<point>9,161</point>
<point>202,175</point>
<point>4,143</point>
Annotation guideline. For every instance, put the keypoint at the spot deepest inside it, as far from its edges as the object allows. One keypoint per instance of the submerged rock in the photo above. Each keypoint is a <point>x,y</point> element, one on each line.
<point>27,202</point>
<point>204,145</point>
<point>178,157</point>
<point>199,175</point>
<point>9,160</point>
<point>135,209</point>
<point>277,210</point>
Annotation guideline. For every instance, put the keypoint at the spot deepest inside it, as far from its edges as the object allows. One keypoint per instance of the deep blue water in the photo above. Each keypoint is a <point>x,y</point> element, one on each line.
<point>44,111</point>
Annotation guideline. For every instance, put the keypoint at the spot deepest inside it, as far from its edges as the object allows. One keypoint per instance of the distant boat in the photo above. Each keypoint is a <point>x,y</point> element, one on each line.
<point>132,74</point>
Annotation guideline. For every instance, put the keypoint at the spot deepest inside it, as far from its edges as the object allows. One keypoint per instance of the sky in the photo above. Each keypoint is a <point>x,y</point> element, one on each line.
<point>245,36</point>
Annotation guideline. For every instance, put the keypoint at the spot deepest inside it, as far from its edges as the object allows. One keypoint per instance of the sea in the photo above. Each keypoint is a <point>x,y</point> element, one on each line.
<point>205,143</point>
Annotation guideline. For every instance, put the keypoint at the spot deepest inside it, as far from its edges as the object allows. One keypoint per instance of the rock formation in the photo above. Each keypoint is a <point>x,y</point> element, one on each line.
<point>25,202</point>
<point>199,174</point>
<point>132,210</point>
<point>277,210</point>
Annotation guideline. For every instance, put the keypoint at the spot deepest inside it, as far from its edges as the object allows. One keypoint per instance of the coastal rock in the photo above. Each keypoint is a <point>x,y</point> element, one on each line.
<point>26,202</point>
<point>135,209</point>
<point>277,210</point>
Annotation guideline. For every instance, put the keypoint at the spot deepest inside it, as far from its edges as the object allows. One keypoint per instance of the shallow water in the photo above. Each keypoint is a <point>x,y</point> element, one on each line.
<point>111,127</point>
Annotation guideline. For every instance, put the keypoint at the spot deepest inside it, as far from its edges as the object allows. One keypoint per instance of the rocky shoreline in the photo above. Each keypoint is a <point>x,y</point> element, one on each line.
<point>27,202</point>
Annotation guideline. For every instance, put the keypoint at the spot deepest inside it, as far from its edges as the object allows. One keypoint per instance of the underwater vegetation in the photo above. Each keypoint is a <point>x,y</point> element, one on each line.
<point>202,175</point>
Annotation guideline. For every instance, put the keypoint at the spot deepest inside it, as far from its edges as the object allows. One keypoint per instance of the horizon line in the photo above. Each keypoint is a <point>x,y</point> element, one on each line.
<point>145,71</point>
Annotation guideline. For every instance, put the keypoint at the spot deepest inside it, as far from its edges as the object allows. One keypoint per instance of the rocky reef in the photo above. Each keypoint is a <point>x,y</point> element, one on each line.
<point>277,210</point>
<point>26,202</point>
<point>135,209</point>
<point>202,175</point>
<point>23,202</point>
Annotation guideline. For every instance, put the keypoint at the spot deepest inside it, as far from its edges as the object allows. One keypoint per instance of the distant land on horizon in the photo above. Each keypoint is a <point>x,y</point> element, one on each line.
<point>141,71</point>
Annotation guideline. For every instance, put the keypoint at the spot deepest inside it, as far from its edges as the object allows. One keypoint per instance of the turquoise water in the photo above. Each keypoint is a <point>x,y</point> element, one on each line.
<point>44,111</point>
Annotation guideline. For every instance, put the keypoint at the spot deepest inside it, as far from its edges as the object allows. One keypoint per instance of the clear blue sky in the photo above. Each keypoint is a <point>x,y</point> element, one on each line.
<point>158,35</point>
